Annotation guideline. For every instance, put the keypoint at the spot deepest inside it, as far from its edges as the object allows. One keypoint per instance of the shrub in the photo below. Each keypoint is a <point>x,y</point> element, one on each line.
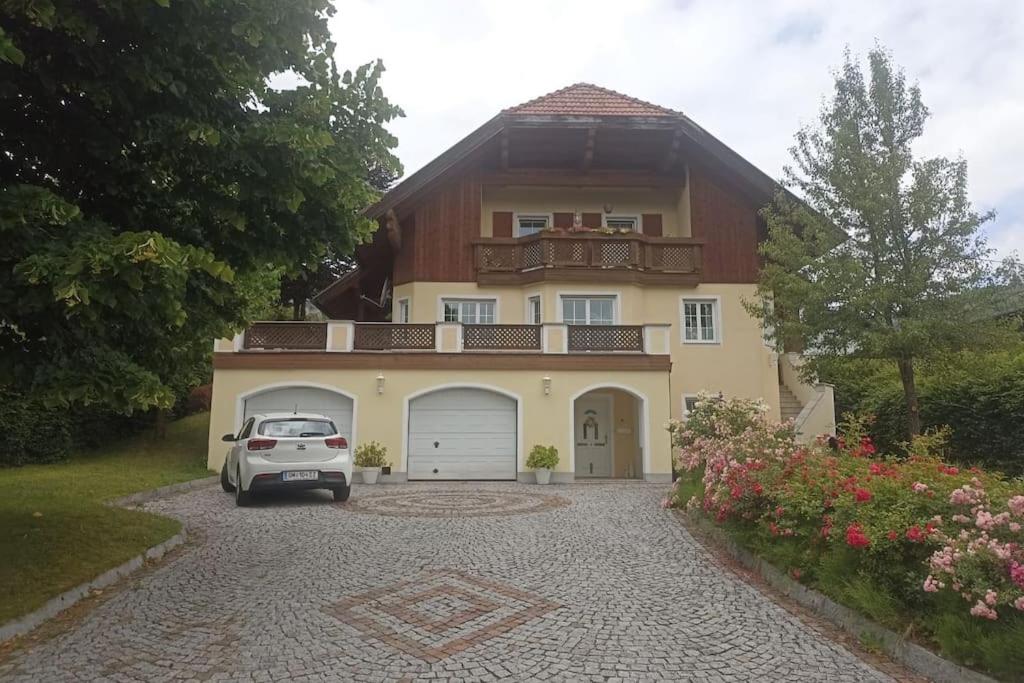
<point>33,433</point>
<point>542,458</point>
<point>371,454</point>
<point>908,540</point>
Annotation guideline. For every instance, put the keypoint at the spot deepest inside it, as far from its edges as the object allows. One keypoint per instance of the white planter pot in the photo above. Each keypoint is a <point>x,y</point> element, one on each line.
<point>543,476</point>
<point>370,474</point>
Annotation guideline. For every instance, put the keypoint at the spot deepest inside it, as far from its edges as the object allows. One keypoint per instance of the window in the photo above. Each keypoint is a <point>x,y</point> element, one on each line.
<point>470,312</point>
<point>531,224</point>
<point>297,427</point>
<point>622,223</point>
<point>700,321</point>
<point>588,310</point>
<point>689,403</point>
<point>402,315</point>
<point>246,429</point>
<point>533,310</point>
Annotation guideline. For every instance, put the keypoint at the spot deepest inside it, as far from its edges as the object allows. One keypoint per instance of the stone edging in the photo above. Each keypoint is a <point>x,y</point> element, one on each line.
<point>22,625</point>
<point>911,655</point>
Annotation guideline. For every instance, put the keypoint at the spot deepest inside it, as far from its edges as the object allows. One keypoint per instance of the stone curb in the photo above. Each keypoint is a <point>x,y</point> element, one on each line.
<point>22,625</point>
<point>911,655</point>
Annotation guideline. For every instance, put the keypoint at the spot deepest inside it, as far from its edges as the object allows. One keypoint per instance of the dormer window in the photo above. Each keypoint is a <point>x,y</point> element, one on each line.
<point>631,223</point>
<point>531,223</point>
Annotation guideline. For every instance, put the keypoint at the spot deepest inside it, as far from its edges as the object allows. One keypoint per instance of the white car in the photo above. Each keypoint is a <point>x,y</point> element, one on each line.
<point>287,451</point>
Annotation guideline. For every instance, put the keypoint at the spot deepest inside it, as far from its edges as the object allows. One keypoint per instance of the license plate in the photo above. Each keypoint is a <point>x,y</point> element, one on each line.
<point>300,475</point>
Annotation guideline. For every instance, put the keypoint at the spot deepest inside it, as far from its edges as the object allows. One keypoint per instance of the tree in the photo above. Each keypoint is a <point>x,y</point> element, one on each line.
<point>151,180</point>
<point>883,257</point>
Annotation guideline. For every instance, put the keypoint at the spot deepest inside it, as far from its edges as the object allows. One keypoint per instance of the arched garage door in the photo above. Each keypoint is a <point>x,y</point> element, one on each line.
<point>304,400</point>
<point>462,434</point>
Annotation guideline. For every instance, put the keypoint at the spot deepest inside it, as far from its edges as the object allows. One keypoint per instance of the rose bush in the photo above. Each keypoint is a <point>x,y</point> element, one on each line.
<point>909,539</point>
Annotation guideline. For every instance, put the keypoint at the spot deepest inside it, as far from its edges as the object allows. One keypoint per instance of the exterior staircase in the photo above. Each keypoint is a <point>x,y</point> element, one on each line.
<point>789,404</point>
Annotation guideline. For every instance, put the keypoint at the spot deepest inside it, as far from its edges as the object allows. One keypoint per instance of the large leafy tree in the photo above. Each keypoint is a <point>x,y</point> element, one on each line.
<point>150,179</point>
<point>883,258</point>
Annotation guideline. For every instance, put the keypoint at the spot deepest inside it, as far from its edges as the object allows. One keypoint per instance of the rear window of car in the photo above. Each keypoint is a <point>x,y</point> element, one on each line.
<point>297,426</point>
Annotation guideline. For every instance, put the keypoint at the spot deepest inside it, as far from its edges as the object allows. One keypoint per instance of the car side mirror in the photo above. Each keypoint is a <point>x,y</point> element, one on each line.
<point>228,437</point>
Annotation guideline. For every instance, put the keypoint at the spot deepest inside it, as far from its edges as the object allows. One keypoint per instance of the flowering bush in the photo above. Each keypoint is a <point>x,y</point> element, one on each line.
<point>912,527</point>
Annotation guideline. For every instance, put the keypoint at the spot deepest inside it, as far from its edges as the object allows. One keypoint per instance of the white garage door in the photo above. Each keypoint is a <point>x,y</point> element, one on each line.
<point>304,400</point>
<point>462,434</point>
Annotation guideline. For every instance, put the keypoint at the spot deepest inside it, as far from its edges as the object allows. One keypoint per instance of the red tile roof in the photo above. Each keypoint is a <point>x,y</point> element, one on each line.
<point>584,99</point>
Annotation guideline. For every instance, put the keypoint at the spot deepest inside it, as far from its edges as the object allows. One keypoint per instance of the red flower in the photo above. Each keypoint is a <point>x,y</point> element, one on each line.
<point>948,470</point>
<point>862,495</point>
<point>915,535</point>
<point>892,535</point>
<point>855,536</point>
<point>758,489</point>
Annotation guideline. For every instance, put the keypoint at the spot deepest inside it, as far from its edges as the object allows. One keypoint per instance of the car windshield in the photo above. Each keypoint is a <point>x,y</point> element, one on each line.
<point>297,426</point>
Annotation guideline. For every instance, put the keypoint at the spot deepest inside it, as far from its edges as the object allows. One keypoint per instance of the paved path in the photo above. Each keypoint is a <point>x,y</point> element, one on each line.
<point>439,581</point>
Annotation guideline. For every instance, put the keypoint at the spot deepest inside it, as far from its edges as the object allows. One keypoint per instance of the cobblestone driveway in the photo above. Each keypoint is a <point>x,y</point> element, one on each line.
<point>440,581</point>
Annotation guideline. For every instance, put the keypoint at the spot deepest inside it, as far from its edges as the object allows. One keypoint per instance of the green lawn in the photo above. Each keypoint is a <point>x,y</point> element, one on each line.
<point>55,531</point>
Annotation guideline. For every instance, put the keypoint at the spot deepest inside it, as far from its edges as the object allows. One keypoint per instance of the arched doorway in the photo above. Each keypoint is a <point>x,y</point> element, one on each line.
<point>290,398</point>
<point>608,433</point>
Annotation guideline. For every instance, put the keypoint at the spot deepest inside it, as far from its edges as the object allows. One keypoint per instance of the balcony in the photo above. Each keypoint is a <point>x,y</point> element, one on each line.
<point>584,256</point>
<point>549,338</point>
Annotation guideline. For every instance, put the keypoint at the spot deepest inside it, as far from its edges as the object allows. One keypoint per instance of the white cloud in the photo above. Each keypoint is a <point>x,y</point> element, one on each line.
<point>751,73</point>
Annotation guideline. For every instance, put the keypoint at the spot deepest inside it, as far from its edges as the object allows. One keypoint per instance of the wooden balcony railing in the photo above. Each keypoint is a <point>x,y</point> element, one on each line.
<point>552,256</point>
<point>286,335</point>
<point>606,338</point>
<point>393,337</point>
<point>501,337</point>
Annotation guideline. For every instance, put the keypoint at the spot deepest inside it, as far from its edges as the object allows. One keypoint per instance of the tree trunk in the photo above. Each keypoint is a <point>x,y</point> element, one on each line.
<point>910,396</point>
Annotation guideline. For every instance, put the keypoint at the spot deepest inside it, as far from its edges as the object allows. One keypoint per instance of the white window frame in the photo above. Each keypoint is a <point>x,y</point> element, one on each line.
<point>549,219</point>
<point>528,311</point>
<point>686,408</point>
<point>403,307</point>
<point>637,225</point>
<point>716,316</point>
<point>442,300</point>
<point>614,296</point>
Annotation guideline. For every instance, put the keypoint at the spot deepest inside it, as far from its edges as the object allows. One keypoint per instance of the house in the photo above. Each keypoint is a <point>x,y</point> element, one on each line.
<point>571,273</point>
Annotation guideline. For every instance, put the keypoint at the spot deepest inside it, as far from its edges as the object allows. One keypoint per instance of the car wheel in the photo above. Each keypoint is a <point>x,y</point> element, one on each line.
<point>342,494</point>
<point>242,497</point>
<point>225,483</point>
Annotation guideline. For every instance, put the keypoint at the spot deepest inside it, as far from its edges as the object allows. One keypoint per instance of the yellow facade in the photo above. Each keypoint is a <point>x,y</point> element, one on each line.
<point>543,418</point>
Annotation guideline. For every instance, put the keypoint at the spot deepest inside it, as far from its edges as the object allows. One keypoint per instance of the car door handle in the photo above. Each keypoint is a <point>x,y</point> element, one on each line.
<point>436,444</point>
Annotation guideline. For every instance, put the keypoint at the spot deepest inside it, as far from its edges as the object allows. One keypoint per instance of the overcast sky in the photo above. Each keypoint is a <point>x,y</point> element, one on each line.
<point>751,72</point>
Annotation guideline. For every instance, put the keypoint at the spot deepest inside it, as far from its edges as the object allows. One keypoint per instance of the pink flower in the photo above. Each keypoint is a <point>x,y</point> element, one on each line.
<point>1016,505</point>
<point>666,503</point>
<point>990,597</point>
<point>1019,603</point>
<point>1014,527</point>
<point>918,487</point>
<point>983,611</point>
<point>862,495</point>
<point>855,536</point>
<point>1017,573</point>
<point>931,585</point>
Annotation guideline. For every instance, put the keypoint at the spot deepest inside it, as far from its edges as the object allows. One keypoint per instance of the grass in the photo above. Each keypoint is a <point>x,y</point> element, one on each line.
<point>56,532</point>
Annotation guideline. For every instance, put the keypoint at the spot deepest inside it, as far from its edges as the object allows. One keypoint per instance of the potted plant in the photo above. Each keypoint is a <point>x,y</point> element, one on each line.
<point>370,457</point>
<point>543,459</point>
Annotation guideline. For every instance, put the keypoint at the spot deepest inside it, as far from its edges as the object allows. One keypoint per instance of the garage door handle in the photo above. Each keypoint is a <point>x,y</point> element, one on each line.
<point>436,444</point>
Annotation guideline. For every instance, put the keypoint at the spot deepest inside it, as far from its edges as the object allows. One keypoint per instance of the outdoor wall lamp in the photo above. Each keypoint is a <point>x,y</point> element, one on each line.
<point>547,385</point>
<point>380,384</point>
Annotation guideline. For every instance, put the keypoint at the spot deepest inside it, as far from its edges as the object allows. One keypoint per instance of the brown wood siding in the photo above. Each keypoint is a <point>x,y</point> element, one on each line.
<point>728,224</point>
<point>591,220</point>
<point>651,224</point>
<point>501,222</point>
<point>562,220</point>
<point>437,247</point>
<point>313,360</point>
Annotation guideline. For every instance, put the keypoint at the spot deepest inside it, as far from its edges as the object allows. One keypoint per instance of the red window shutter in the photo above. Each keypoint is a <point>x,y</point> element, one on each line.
<point>501,223</point>
<point>563,220</point>
<point>592,220</point>
<point>652,224</point>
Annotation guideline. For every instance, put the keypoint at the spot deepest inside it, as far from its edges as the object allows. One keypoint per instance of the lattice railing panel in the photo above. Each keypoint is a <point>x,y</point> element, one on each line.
<point>501,337</point>
<point>531,255</point>
<point>497,257</point>
<point>616,254</point>
<point>568,252</point>
<point>282,335</point>
<point>682,258</point>
<point>606,338</point>
<point>385,337</point>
